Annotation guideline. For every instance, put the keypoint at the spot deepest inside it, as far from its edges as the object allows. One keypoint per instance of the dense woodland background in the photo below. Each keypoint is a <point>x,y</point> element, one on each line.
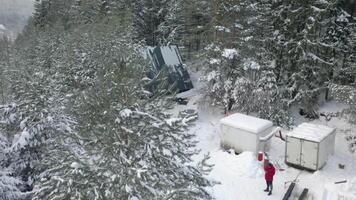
<point>76,121</point>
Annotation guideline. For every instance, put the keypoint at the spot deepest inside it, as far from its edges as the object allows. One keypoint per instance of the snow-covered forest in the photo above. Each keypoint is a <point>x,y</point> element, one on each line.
<point>78,122</point>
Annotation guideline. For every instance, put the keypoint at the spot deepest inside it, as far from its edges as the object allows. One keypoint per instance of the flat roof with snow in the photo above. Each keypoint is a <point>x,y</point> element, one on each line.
<point>246,122</point>
<point>312,132</point>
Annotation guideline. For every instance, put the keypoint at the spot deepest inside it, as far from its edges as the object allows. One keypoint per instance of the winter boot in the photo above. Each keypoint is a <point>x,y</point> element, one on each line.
<point>270,192</point>
<point>266,190</point>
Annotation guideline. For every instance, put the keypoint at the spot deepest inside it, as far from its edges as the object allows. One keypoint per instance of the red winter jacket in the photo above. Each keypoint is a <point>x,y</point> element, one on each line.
<point>269,172</point>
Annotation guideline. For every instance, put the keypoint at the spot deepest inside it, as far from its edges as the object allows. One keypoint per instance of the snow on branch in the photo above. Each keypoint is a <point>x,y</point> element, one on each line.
<point>316,58</point>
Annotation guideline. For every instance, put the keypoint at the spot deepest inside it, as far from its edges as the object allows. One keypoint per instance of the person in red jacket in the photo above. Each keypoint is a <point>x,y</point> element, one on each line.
<point>269,173</point>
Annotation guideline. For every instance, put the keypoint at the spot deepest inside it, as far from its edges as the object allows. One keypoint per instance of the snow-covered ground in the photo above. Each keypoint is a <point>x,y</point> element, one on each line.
<point>241,177</point>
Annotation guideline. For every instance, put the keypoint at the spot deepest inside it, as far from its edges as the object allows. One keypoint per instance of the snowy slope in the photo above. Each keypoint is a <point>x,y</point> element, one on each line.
<point>241,176</point>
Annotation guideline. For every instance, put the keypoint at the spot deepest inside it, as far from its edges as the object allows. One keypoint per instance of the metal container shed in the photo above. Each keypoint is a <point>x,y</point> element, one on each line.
<point>309,145</point>
<point>245,133</point>
<point>167,59</point>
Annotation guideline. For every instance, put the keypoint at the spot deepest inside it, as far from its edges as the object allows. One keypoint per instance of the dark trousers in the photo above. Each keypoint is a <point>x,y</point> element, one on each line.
<point>269,186</point>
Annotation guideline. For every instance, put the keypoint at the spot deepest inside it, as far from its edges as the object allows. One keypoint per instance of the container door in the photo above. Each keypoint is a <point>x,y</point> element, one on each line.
<point>309,155</point>
<point>293,149</point>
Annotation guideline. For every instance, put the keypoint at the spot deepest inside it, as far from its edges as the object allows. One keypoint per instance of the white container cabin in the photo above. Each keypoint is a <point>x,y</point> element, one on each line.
<point>309,145</point>
<point>245,133</point>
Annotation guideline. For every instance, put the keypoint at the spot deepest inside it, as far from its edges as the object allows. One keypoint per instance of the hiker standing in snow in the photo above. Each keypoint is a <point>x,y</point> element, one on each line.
<point>269,173</point>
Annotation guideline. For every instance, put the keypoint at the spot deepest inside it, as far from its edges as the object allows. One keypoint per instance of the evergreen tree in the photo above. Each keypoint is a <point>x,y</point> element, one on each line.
<point>340,36</point>
<point>4,64</point>
<point>198,24</point>
<point>38,105</point>
<point>125,147</point>
<point>302,62</point>
<point>148,16</point>
<point>85,118</point>
<point>172,28</point>
<point>11,184</point>
<point>240,73</point>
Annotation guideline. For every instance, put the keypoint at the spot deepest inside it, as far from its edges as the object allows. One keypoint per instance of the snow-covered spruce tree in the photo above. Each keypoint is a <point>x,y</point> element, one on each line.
<point>221,74</point>
<point>225,72</point>
<point>159,22</point>
<point>340,36</point>
<point>198,18</point>
<point>148,16</point>
<point>173,27</point>
<point>23,141</point>
<point>10,183</point>
<point>303,62</point>
<point>269,99</point>
<point>4,63</point>
<point>37,103</point>
<point>142,156</point>
<point>243,77</point>
<point>125,145</point>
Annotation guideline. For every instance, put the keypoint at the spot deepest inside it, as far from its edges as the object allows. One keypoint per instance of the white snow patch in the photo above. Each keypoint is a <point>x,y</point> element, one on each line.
<point>229,53</point>
<point>125,113</point>
<point>250,64</point>
<point>223,29</point>
<point>2,27</point>
<point>248,38</point>
<point>237,25</point>
<point>242,165</point>
<point>75,165</point>
<point>12,117</point>
<point>345,191</point>
<point>23,123</point>
<point>212,75</point>
<point>126,129</point>
<point>214,61</point>
<point>173,120</point>
<point>21,140</point>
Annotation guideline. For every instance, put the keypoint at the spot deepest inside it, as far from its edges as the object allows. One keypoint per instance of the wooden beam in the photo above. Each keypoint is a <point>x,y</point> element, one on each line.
<point>289,191</point>
<point>304,194</point>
